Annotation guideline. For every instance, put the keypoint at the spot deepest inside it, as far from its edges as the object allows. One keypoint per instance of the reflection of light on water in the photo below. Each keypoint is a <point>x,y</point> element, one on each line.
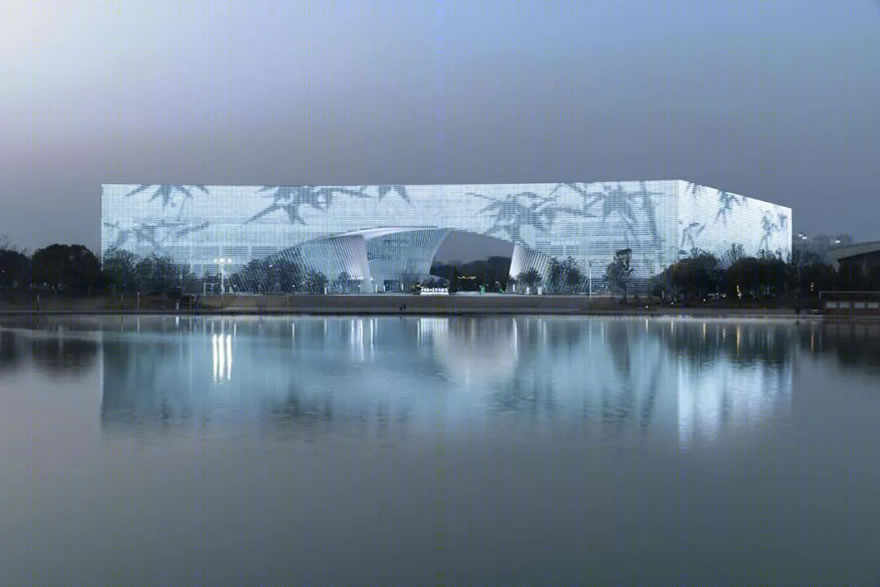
<point>611,376</point>
<point>724,395</point>
<point>476,352</point>
<point>433,328</point>
<point>357,338</point>
<point>221,346</point>
<point>515,341</point>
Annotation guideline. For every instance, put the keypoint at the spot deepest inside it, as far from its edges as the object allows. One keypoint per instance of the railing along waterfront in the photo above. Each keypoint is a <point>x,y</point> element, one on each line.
<point>850,302</point>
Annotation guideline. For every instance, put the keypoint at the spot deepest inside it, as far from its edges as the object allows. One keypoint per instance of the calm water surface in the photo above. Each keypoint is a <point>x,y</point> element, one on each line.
<point>435,450</point>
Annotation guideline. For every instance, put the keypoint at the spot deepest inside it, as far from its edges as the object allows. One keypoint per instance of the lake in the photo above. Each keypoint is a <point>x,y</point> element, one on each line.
<point>438,450</point>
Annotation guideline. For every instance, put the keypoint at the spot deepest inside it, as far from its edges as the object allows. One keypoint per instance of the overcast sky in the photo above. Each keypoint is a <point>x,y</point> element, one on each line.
<point>778,100</point>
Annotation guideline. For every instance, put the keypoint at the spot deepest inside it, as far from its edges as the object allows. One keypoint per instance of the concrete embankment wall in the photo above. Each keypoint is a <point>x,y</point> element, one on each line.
<point>318,304</point>
<point>372,304</point>
<point>409,304</point>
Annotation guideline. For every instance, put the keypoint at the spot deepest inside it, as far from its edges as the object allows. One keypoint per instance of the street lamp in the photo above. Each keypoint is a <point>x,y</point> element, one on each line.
<point>590,263</point>
<point>222,261</point>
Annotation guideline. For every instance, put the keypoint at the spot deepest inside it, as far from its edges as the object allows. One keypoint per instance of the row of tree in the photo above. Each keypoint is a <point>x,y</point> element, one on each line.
<point>75,270</point>
<point>701,275</point>
<point>71,269</point>
<point>768,275</point>
<point>281,275</point>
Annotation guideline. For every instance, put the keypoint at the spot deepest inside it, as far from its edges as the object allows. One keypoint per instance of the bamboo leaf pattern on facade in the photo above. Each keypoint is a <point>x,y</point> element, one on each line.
<point>291,198</point>
<point>168,194</point>
<point>514,212</point>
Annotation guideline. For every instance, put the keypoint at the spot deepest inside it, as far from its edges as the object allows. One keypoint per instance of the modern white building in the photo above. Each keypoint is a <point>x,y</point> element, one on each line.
<point>376,233</point>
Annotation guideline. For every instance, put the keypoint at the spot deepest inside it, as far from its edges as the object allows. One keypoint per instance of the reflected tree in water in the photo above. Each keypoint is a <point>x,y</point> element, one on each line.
<point>852,345</point>
<point>10,351</point>
<point>646,411</point>
<point>144,381</point>
<point>300,410</point>
<point>63,355</point>
<point>743,344</point>
<point>619,345</point>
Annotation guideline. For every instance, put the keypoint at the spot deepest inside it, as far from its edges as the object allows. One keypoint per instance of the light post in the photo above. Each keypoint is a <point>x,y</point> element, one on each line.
<point>590,263</point>
<point>222,261</point>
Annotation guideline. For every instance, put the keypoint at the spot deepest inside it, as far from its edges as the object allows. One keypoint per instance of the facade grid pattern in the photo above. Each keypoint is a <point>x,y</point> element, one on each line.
<point>660,221</point>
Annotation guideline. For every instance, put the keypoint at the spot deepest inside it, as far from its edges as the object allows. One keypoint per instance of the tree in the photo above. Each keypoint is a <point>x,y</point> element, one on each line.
<point>816,277</point>
<point>751,276</point>
<point>161,274</point>
<point>119,269</point>
<point>564,276</point>
<point>72,269</point>
<point>619,272</point>
<point>316,282</point>
<point>574,277</point>
<point>143,274</point>
<point>555,276</point>
<point>14,266</point>
<point>342,282</point>
<point>530,278</point>
<point>694,276</point>
<point>288,274</point>
<point>276,274</point>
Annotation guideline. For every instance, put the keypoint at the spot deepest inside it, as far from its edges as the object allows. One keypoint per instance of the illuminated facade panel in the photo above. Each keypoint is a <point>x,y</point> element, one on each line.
<point>660,221</point>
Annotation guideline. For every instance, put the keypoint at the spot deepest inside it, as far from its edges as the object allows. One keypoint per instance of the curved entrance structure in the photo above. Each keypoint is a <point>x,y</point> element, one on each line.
<point>397,226</point>
<point>383,259</point>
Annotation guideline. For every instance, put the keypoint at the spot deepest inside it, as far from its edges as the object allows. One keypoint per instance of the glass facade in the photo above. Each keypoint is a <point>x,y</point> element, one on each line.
<point>660,221</point>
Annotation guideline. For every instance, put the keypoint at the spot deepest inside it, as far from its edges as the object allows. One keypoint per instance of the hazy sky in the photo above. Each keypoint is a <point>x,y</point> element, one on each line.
<point>778,100</point>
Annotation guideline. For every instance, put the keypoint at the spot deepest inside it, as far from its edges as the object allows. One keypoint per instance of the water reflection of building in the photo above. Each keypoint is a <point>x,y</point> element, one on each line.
<point>727,396</point>
<point>475,352</point>
<point>732,376</point>
<point>663,380</point>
